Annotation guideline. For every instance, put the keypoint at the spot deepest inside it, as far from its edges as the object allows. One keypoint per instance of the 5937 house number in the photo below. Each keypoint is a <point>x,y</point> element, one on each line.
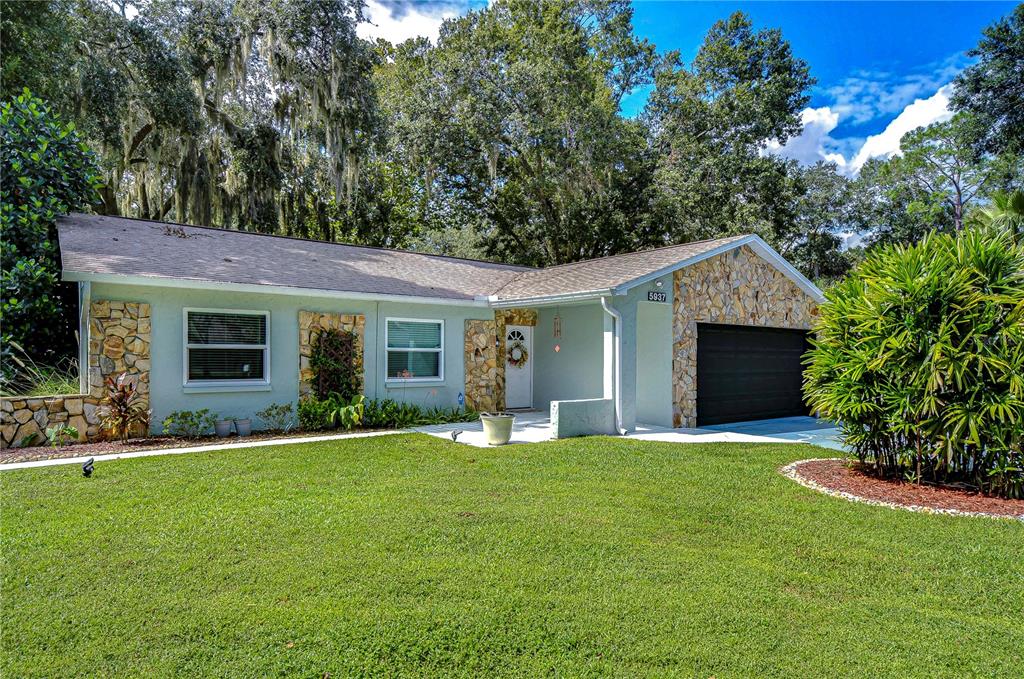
<point>655,296</point>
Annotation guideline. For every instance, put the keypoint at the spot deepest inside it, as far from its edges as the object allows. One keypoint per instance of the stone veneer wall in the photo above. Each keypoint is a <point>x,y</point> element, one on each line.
<point>312,321</point>
<point>738,288</point>
<point>485,357</point>
<point>119,337</point>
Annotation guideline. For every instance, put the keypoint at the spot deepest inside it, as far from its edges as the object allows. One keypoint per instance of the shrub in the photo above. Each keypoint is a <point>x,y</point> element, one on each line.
<point>123,410</point>
<point>318,414</point>
<point>189,423</point>
<point>61,435</point>
<point>277,416</point>
<point>314,414</point>
<point>920,356</point>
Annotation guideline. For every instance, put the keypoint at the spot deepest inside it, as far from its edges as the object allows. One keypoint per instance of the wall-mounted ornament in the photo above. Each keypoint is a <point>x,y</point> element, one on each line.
<point>557,348</point>
<point>556,327</point>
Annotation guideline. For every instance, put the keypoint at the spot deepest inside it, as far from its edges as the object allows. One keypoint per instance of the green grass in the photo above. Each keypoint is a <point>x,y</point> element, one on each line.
<point>412,555</point>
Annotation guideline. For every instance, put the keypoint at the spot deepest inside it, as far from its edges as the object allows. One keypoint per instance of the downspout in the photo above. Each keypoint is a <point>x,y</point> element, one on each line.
<point>617,377</point>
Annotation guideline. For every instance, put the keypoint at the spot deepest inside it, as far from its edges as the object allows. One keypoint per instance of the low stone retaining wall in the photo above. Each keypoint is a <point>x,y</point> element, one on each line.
<point>119,336</point>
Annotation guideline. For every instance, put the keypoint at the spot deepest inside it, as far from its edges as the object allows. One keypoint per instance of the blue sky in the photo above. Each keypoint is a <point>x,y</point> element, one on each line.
<point>883,68</point>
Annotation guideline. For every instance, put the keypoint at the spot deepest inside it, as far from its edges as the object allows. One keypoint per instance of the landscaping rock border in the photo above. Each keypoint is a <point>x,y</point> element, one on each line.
<point>792,471</point>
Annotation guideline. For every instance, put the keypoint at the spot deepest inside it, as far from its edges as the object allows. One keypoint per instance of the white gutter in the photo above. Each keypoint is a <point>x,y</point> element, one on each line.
<point>189,283</point>
<point>549,300</point>
<point>617,378</point>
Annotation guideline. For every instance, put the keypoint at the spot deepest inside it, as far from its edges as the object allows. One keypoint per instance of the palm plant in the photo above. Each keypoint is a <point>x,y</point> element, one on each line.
<point>920,355</point>
<point>1005,212</point>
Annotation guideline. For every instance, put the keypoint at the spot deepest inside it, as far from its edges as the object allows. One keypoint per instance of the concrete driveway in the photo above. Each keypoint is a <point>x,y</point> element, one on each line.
<point>535,426</point>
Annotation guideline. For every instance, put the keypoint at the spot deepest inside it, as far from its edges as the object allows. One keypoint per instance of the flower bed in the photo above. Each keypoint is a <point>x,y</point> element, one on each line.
<point>836,477</point>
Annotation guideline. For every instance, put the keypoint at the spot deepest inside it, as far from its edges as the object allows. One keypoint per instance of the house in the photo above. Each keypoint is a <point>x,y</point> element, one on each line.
<point>703,332</point>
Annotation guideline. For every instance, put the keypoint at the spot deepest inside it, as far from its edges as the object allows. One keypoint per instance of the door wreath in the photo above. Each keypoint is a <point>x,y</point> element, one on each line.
<point>517,354</point>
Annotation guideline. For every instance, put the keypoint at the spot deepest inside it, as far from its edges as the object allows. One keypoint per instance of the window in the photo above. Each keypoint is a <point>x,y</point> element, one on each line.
<point>226,347</point>
<point>415,349</point>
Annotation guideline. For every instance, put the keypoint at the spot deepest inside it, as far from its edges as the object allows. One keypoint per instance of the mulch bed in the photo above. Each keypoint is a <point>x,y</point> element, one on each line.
<point>836,475</point>
<point>31,454</point>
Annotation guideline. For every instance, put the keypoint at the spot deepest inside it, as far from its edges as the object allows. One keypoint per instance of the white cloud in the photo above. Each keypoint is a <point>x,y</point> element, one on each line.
<point>815,142</point>
<point>921,113</point>
<point>868,95</point>
<point>400,22</point>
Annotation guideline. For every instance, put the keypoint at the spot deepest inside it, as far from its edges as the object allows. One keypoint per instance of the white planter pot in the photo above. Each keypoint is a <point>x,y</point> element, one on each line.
<point>497,427</point>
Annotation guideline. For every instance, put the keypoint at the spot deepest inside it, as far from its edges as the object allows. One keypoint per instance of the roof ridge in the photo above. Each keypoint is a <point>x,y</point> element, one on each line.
<point>545,269</point>
<point>639,252</point>
<point>525,268</point>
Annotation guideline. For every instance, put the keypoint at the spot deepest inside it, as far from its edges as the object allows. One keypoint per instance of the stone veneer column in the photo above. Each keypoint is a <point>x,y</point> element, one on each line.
<point>485,357</point>
<point>737,288</point>
<point>310,322</point>
<point>119,342</point>
<point>481,365</point>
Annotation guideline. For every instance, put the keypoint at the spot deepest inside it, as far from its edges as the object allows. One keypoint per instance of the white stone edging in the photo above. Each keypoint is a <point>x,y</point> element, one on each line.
<point>790,471</point>
<point>193,449</point>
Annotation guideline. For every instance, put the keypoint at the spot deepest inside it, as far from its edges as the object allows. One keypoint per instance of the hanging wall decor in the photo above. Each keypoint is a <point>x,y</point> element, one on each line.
<point>557,326</point>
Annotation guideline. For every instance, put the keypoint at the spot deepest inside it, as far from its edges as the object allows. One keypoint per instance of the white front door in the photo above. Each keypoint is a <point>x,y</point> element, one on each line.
<point>518,366</point>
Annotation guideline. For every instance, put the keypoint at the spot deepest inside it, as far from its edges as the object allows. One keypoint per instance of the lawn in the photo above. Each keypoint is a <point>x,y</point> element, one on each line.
<point>412,555</point>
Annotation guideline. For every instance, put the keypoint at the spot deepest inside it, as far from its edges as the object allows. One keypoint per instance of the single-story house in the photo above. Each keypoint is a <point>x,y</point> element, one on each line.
<point>704,332</point>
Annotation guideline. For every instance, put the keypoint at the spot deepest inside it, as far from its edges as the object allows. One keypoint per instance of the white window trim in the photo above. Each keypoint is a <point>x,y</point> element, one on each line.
<point>440,350</point>
<point>234,385</point>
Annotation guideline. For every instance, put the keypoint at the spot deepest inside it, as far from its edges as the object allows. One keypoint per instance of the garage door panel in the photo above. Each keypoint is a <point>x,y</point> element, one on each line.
<point>746,373</point>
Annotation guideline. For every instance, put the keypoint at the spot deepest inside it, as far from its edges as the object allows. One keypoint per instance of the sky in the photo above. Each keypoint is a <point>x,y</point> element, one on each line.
<point>883,68</point>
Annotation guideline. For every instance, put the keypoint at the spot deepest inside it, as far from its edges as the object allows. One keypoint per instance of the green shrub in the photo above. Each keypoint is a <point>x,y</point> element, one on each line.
<point>189,423</point>
<point>277,416</point>
<point>319,414</point>
<point>314,414</point>
<point>920,356</point>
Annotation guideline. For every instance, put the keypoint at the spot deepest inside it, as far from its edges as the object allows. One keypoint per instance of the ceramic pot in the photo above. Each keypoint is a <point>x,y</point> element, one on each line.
<point>497,427</point>
<point>222,427</point>
<point>243,427</point>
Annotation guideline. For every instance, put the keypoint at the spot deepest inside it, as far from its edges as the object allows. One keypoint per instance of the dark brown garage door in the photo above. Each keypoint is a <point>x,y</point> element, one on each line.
<point>748,373</point>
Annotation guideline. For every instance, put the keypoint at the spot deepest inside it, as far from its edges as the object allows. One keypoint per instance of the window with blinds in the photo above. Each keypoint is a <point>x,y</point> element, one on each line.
<point>226,346</point>
<point>415,349</point>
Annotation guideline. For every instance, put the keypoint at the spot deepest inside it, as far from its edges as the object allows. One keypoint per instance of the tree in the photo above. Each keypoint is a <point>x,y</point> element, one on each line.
<point>243,113</point>
<point>938,176</point>
<point>47,171</point>
<point>512,123</point>
<point>710,123</point>
<point>824,209</point>
<point>993,88</point>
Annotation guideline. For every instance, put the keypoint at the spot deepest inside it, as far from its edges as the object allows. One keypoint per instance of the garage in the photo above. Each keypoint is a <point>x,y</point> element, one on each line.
<point>748,373</point>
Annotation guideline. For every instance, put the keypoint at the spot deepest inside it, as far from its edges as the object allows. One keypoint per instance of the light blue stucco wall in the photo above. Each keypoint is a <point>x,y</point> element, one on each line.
<point>646,355</point>
<point>654,363</point>
<point>575,371</point>
<point>166,377</point>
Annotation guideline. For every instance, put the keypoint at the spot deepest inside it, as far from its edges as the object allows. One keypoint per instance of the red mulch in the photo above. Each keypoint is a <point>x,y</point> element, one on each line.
<point>8,455</point>
<point>836,475</point>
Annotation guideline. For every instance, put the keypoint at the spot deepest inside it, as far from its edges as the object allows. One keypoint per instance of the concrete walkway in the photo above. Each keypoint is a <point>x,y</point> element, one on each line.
<point>530,427</point>
<point>534,426</point>
<point>192,449</point>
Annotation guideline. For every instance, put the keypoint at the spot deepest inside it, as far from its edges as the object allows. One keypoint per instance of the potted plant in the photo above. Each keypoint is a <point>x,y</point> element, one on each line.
<point>223,427</point>
<point>497,427</point>
<point>243,427</point>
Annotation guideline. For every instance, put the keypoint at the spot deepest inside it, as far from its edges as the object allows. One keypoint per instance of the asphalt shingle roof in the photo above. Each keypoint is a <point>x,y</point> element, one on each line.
<point>604,273</point>
<point>116,245</point>
<point>92,244</point>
